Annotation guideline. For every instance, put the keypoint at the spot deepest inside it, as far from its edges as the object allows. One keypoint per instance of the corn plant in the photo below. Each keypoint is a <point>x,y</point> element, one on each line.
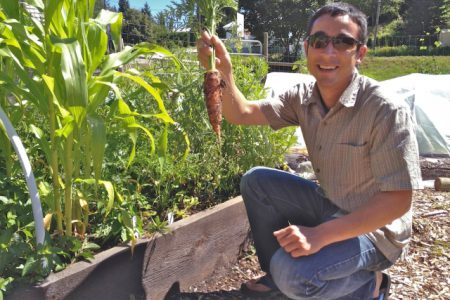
<point>59,67</point>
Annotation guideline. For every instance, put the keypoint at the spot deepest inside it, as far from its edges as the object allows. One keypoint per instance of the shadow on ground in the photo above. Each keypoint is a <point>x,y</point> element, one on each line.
<point>176,294</point>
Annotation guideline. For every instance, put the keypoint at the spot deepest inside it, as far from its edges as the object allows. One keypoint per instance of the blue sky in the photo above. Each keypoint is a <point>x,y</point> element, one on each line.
<point>155,5</point>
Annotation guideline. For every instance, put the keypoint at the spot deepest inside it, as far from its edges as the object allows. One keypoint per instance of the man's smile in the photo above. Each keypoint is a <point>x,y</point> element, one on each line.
<point>327,68</point>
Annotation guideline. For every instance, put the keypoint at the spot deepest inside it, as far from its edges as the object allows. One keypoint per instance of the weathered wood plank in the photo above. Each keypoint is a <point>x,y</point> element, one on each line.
<point>112,274</point>
<point>196,247</point>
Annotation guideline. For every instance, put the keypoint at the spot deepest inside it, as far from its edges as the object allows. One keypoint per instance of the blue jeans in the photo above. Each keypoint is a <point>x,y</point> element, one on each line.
<point>344,270</point>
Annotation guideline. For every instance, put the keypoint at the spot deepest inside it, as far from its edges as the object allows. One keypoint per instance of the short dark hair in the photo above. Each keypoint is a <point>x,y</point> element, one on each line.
<point>342,9</point>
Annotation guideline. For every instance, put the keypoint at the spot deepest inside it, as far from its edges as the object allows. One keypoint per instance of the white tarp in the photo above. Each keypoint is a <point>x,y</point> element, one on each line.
<point>427,95</point>
<point>429,98</point>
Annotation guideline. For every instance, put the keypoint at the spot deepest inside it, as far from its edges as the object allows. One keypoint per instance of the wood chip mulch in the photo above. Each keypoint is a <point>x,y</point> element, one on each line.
<point>424,274</point>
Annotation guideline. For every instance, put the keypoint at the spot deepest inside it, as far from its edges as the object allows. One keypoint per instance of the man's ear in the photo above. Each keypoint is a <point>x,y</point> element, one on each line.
<point>361,53</point>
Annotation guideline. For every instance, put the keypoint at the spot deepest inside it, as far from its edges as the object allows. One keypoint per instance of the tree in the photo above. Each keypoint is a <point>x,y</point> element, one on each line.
<point>138,27</point>
<point>124,6</point>
<point>103,4</point>
<point>390,9</point>
<point>441,16</point>
<point>426,16</point>
<point>146,10</point>
<point>284,20</point>
<point>186,14</point>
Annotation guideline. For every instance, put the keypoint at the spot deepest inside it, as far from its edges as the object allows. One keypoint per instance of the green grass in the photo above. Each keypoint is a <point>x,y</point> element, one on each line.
<point>383,68</point>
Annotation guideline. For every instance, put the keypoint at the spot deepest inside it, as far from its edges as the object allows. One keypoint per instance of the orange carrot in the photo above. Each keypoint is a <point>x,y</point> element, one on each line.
<point>212,88</point>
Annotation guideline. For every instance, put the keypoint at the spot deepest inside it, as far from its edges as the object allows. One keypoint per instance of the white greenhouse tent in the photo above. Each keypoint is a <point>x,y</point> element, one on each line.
<point>429,99</point>
<point>427,95</point>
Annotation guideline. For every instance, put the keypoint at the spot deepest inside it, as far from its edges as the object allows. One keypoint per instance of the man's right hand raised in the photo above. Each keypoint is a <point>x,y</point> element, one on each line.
<point>236,109</point>
<point>204,51</point>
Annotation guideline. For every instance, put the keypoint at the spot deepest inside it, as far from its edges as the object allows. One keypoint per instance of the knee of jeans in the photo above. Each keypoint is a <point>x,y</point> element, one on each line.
<point>288,278</point>
<point>250,178</point>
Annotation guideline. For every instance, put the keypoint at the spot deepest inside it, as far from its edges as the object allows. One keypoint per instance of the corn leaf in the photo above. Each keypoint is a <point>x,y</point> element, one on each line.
<point>130,125</point>
<point>97,130</point>
<point>74,74</point>
<point>114,20</point>
<point>115,60</point>
<point>33,90</point>
<point>36,3</point>
<point>24,44</point>
<point>108,187</point>
<point>43,142</point>
<point>53,16</point>
<point>129,54</point>
<point>96,40</point>
<point>11,8</point>
<point>9,84</point>
<point>161,149</point>
<point>163,115</point>
<point>48,221</point>
<point>110,190</point>
<point>67,129</point>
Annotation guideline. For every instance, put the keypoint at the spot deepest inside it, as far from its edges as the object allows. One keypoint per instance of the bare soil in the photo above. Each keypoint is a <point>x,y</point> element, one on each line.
<point>424,274</point>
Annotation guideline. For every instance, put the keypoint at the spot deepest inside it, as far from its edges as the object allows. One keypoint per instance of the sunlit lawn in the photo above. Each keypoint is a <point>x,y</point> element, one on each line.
<point>383,68</point>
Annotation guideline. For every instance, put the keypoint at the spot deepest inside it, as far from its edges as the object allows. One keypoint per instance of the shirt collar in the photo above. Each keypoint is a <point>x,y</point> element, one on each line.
<point>348,97</point>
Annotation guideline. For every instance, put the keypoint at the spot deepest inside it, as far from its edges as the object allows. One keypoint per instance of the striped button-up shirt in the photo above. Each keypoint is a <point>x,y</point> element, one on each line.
<point>363,145</point>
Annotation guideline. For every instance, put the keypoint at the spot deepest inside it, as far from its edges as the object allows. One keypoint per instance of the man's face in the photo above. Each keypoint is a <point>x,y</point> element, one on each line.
<point>333,68</point>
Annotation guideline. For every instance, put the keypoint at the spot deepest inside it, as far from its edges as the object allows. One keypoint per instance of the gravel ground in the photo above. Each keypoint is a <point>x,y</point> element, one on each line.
<point>425,274</point>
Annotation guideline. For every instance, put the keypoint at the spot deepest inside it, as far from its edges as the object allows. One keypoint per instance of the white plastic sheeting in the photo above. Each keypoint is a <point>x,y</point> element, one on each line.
<point>429,99</point>
<point>427,95</point>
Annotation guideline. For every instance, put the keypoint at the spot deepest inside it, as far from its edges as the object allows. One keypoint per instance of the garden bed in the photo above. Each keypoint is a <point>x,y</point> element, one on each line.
<point>197,259</point>
<point>195,248</point>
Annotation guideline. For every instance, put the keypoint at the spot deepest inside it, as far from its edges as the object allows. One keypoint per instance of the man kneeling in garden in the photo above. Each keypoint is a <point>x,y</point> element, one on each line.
<point>329,241</point>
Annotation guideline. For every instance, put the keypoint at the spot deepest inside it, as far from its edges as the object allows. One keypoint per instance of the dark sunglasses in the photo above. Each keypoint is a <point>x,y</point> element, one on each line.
<point>320,40</point>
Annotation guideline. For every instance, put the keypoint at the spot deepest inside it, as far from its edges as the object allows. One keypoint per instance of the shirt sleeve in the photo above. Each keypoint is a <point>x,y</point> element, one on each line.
<point>394,155</point>
<point>282,110</point>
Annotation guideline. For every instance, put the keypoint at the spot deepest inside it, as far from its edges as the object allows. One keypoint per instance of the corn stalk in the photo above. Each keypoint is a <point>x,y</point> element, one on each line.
<point>62,68</point>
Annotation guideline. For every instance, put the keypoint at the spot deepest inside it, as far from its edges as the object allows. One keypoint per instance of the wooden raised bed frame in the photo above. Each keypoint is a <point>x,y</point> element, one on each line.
<point>196,247</point>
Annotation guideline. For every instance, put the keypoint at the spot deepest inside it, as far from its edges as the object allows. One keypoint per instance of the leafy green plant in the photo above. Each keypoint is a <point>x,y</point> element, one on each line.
<point>205,178</point>
<point>301,66</point>
<point>20,258</point>
<point>61,70</point>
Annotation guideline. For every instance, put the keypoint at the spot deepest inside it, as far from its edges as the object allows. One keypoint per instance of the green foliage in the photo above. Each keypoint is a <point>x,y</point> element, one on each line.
<point>20,259</point>
<point>124,5</point>
<point>389,30</point>
<point>209,174</point>
<point>72,76</point>
<point>301,66</point>
<point>176,39</point>
<point>390,10</point>
<point>283,20</point>
<point>426,16</point>
<point>138,27</point>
